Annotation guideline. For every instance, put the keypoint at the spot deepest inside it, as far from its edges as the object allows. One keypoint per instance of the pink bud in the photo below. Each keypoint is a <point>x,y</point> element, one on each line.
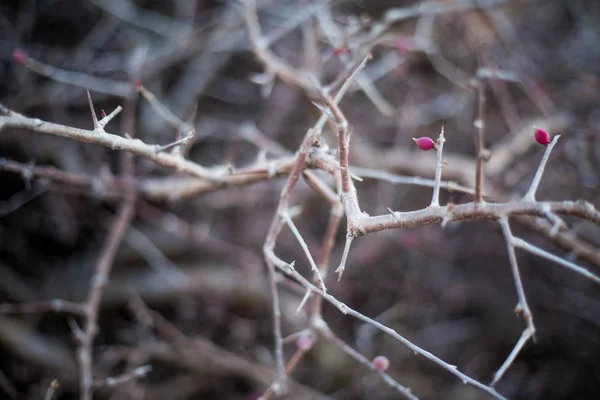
<point>19,56</point>
<point>381,363</point>
<point>541,136</point>
<point>338,51</point>
<point>425,143</point>
<point>138,85</point>
<point>103,113</point>
<point>403,44</point>
<point>304,342</point>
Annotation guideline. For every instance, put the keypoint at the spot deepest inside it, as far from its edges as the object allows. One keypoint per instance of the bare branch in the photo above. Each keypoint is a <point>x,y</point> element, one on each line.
<point>288,220</point>
<point>479,125</point>
<point>333,338</point>
<point>435,200</point>
<point>530,195</point>
<point>522,306</point>
<point>114,142</point>
<point>124,378</point>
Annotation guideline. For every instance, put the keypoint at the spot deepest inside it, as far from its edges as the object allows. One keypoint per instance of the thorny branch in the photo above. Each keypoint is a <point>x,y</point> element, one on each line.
<point>312,154</point>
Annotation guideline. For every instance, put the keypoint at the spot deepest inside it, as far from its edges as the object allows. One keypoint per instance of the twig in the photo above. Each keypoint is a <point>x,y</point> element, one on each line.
<point>56,305</point>
<point>289,367</point>
<point>51,389</point>
<point>396,179</point>
<point>479,125</point>
<point>269,59</point>
<point>288,270</point>
<point>99,280</point>
<point>101,85</point>
<point>530,195</point>
<point>522,306</point>
<point>435,199</point>
<point>288,220</point>
<point>517,242</point>
<point>333,338</point>
<point>164,112</point>
<point>115,142</point>
<point>123,378</point>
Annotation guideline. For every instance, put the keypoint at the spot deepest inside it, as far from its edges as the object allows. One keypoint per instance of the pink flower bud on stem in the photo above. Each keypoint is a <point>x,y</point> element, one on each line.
<point>381,363</point>
<point>425,143</point>
<point>541,136</point>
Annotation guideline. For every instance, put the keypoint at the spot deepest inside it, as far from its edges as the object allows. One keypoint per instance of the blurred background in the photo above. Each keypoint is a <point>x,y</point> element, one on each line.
<point>188,293</point>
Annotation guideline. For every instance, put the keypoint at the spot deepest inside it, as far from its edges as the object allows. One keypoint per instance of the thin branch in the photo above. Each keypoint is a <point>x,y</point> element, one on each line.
<point>124,378</point>
<point>51,390</point>
<point>335,218</point>
<point>522,306</point>
<point>517,242</point>
<point>97,126</point>
<point>100,85</point>
<point>435,199</point>
<point>114,142</point>
<point>530,195</point>
<point>333,338</point>
<point>92,304</point>
<point>479,125</point>
<point>342,267</point>
<point>164,112</point>
<point>289,270</point>
<point>289,367</point>
<point>396,179</point>
<point>261,50</point>
<point>56,305</point>
<point>288,220</point>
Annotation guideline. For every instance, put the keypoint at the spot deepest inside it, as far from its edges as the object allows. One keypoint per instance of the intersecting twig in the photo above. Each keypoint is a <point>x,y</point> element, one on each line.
<point>290,223</point>
<point>522,306</point>
<point>345,309</point>
<point>115,142</point>
<point>332,337</point>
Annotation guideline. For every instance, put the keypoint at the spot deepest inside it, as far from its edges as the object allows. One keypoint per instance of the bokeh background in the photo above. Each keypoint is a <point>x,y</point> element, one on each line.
<point>188,293</point>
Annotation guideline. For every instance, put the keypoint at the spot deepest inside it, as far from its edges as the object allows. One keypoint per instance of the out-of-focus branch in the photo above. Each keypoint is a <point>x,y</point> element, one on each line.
<point>114,142</point>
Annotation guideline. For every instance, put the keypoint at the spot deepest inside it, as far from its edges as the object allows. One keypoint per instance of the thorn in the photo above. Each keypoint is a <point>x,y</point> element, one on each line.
<point>324,110</point>
<point>97,125</point>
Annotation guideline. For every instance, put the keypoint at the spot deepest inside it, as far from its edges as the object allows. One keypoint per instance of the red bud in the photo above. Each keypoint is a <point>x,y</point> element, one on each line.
<point>403,44</point>
<point>103,113</point>
<point>381,363</point>
<point>541,136</point>
<point>19,56</point>
<point>425,143</point>
<point>338,51</point>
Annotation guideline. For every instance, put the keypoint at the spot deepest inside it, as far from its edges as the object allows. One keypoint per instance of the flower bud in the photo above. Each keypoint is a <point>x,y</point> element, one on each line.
<point>425,143</point>
<point>304,342</point>
<point>19,56</point>
<point>541,136</point>
<point>381,363</point>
